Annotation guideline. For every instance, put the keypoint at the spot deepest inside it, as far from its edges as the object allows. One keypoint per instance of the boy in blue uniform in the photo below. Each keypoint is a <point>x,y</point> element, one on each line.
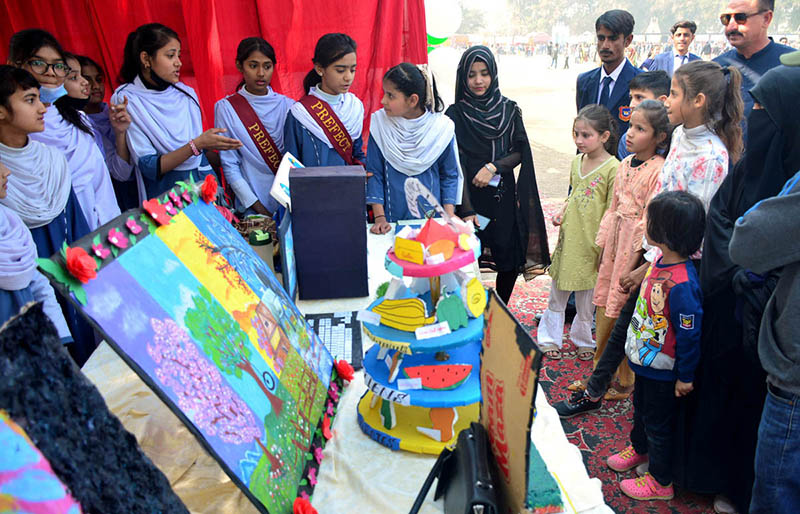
<point>663,345</point>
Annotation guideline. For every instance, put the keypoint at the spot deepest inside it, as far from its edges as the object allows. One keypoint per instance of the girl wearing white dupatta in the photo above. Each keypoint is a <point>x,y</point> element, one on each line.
<point>330,81</point>
<point>39,189</point>
<point>66,128</point>
<point>248,174</point>
<point>166,137</point>
<point>410,137</point>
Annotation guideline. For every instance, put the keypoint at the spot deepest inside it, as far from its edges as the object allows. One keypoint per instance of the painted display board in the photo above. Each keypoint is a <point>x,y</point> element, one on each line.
<point>184,300</point>
<point>510,362</point>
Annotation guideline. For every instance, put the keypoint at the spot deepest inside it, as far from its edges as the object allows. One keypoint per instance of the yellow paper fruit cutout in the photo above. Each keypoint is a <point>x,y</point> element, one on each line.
<point>474,297</point>
<point>407,314</point>
<point>408,250</point>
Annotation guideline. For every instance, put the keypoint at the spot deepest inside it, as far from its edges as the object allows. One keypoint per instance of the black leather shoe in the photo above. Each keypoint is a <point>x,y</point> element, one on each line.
<point>578,403</point>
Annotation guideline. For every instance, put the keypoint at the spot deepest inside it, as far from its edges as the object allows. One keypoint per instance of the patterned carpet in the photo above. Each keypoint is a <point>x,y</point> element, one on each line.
<point>600,434</point>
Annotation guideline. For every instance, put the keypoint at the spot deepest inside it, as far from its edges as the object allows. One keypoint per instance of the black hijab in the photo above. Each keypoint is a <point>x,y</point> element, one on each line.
<point>489,128</point>
<point>491,115</point>
<point>771,157</point>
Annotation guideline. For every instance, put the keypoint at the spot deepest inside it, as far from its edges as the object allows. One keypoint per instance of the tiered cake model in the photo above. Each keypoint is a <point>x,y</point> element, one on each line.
<point>423,374</point>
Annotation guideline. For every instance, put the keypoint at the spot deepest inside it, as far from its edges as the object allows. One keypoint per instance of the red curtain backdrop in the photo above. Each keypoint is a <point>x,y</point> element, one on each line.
<point>387,32</point>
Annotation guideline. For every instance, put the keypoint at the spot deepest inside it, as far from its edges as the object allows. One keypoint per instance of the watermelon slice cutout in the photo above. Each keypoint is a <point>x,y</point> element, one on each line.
<point>440,377</point>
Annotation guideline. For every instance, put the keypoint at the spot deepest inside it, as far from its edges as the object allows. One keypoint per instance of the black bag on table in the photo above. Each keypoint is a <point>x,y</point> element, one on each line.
<point>467,476</point>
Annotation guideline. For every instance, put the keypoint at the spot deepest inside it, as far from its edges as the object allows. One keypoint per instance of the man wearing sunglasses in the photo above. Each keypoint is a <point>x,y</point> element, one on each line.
<point>754,52</point>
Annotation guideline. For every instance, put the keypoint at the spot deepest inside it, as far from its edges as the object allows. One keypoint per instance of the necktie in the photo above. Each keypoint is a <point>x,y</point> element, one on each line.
<point>604,91</point>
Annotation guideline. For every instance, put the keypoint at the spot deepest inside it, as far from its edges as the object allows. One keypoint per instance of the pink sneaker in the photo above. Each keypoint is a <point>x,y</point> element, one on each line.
<point>626,459</point>
<point>646,488</point>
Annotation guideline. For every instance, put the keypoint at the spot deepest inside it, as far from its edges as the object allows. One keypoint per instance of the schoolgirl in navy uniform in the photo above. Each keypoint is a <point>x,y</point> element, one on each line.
<point>166,137</point>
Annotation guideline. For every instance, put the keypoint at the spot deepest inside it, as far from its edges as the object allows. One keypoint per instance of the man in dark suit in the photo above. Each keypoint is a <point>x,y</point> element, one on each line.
<point>682,37</point>
<point>608,84</point>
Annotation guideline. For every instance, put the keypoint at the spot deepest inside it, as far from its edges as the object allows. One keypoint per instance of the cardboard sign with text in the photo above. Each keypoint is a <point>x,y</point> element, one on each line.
<point>509,378</point>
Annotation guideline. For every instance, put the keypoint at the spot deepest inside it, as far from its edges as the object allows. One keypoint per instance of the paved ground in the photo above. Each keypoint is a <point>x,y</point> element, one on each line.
<point>547,100</point>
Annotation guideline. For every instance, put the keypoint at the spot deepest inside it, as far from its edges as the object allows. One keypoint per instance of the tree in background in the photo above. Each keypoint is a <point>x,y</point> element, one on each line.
<point>472,20</point>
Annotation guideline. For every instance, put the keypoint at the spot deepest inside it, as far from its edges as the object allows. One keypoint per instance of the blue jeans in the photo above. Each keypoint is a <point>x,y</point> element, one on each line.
<point>777,465</point>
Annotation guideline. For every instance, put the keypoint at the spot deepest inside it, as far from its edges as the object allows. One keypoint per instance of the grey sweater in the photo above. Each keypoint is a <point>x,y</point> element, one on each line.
<point>767,237</point>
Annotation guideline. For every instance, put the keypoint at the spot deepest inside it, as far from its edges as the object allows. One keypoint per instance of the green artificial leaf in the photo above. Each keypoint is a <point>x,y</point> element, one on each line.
<point>96,240</point>
<point>80,293</point>
<point>53,268</point>
<point>98,260</point>
<point>147,220</point>
<point>114,251</point>
<point>64,250</point>
<point>132,239</point>
<point>304,482</point>
<point>184,185</point>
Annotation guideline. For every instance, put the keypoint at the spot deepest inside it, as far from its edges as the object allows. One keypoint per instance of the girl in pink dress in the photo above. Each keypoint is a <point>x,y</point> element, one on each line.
<point>622,226</point>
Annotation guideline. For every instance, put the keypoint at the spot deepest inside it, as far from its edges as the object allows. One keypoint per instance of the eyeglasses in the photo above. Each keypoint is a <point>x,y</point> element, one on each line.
<point>739,17</point>
<point>40,67</point>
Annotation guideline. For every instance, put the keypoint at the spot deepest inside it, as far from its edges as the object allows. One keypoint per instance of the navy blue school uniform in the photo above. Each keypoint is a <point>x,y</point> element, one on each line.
<point>619,101</point>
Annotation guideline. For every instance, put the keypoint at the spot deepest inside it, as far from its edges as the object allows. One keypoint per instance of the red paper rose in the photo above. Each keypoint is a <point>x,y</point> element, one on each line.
<point>156,211</point>
<point>344,370</point>
<point>81,265</point>
<point>209,189</point>
<point>303,506</point>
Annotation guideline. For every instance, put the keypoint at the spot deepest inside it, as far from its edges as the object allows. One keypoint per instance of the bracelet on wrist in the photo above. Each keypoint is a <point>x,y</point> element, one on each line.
<point>380,216</point>
<point>195,151</point>
<point>491,167</point>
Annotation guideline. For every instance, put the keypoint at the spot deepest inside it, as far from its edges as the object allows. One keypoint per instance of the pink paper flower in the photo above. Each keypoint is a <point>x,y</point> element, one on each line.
<point>312,476</point>
<point>156,211</point>
<point>329,410</point>
<point>333,392</point>
<point>117,238</point>
<point>318,454</point>
<point>173,196</point>
<point>134,227</point>
<point>187,197</point>
<point>170,208</point>
<point>100,251</point>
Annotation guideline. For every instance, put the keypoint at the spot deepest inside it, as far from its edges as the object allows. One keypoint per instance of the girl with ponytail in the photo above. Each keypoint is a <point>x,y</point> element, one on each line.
<point>410,137</point>
<point>324,127</point>
<point>255,115</point>
<point>166,137</point>
<point>66,127</point>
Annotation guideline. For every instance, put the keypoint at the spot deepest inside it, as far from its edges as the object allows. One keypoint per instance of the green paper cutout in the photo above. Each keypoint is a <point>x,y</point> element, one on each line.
<point>114,251</point>
<point>132,239</point>
<point>451,309</point>
<point>381,291</point>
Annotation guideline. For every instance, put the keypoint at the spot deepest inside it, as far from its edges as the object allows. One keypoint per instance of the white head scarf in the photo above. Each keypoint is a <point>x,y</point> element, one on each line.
<point>17,252</point>
<point>168,118</point>
<point>347,107</point>
<point>411,146</point>
<point>39,185</point>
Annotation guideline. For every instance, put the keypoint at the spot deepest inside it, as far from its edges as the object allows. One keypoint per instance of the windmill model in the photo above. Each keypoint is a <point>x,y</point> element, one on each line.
<point>423,374</point>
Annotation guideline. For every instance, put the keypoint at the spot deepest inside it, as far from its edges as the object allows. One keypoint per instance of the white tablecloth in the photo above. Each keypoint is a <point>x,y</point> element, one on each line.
<point>356,475</point>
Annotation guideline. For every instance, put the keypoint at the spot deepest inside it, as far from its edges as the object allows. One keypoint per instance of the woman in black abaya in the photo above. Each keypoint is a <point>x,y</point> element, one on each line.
<point>720,427</point>
<point>491,143</point>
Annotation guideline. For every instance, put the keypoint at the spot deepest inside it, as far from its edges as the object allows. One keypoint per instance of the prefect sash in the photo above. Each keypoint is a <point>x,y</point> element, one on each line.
<point>331,125</point>
<point>261,138</point>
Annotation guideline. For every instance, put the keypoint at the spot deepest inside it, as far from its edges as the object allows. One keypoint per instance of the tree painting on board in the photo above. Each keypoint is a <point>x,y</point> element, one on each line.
<point>224,340</point>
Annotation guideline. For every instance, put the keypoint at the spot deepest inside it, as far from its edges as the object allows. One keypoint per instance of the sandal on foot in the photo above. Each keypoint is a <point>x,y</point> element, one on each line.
<point>585,353</point>
<point>618,394</point>
<point>578,385</point>
<point>551,351</point>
